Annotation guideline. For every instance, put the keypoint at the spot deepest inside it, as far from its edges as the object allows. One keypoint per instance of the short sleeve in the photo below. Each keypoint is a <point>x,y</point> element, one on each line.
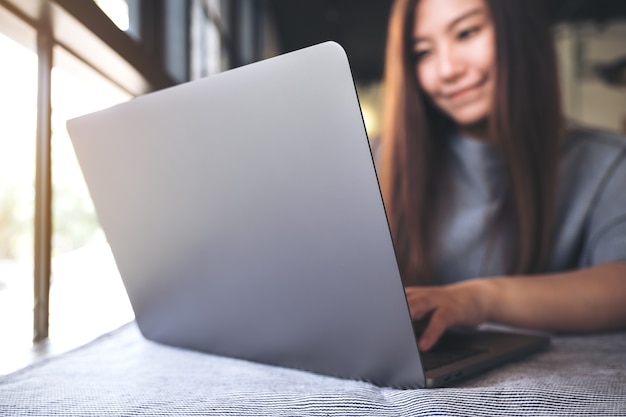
<point>607,221</point>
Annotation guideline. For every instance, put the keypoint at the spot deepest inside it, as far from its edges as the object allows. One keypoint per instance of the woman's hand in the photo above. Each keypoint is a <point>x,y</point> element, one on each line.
<point>462,304</point>
<point>584,300</point>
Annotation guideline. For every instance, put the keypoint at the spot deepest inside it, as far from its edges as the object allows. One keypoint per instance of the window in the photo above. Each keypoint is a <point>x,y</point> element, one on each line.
<point>18,83</point>
<point>117,11</point>
<point>206,38</point>
<point>82,303</point>
<point>63,59</point>
<point>85,301</point>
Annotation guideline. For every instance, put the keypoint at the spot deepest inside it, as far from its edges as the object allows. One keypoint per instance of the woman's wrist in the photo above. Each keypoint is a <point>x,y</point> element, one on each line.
<point>487,293</point>
<point>480,295</point>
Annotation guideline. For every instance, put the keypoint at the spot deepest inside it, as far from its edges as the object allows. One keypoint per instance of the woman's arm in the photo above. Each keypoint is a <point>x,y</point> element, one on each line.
<point>590,299</point>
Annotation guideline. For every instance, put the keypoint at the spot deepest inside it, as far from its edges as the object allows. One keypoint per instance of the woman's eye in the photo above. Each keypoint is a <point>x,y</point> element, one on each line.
<point>419,55</point>
<point>467,33</point>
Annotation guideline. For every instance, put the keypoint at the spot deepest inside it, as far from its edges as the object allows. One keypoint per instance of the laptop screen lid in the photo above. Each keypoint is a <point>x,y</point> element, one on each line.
<point>245,218</point>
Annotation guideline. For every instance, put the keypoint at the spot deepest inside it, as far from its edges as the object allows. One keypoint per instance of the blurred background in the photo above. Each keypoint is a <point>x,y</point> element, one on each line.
<point>59,286</point>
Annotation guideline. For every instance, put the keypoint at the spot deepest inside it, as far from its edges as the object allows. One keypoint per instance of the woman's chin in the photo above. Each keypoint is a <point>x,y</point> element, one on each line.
<point>471,118</point>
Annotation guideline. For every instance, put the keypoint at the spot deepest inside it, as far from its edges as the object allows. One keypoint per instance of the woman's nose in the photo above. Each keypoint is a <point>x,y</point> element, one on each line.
<point>450,66</point>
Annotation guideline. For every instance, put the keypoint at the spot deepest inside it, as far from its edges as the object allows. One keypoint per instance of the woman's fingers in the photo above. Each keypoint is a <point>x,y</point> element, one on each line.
<point>427,302</point>
<point>420,303</point>
<point>437,325</point>
<point>447,306</point>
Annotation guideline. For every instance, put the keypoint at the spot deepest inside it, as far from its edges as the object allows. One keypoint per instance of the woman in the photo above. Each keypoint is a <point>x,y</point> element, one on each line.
<point>498,211</point>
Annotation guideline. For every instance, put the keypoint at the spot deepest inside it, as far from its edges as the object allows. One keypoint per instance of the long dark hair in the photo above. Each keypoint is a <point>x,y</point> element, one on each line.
<point>526,121</point>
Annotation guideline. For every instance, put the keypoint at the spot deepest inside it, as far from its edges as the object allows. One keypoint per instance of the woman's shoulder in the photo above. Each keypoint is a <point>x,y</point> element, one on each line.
<point>593,151</point>
<point>596,141</point>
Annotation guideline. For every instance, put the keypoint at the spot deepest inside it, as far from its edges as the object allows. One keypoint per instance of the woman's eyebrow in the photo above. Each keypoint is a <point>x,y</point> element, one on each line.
<point>470,13</point>
<point>456,21</point>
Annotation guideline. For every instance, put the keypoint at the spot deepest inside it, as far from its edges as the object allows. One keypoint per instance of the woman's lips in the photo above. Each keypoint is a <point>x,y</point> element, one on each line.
<point>461,93</point>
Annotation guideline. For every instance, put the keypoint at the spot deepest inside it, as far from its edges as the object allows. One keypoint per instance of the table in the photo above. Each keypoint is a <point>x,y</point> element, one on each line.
<point>123,374</point>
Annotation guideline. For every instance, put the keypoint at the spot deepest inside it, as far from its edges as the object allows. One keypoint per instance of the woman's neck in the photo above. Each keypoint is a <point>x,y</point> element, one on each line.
<point>477,131</point>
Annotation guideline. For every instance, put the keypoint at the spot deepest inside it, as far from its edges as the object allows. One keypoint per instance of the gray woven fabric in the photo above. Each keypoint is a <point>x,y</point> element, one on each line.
<point>122,374</point>
<point>590,207</point>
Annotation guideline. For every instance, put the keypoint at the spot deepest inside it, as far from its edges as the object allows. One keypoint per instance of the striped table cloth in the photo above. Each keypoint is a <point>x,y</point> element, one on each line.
<point>122,374</point>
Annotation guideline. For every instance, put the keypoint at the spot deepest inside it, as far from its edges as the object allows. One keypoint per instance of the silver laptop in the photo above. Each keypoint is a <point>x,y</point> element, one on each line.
<point>244,214</point>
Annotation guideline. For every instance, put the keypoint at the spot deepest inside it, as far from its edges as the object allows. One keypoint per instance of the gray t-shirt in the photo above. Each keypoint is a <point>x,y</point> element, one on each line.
<point>591,206</point>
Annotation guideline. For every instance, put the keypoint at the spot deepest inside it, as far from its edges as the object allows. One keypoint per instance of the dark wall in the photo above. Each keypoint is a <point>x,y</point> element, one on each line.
<point>361,25</point>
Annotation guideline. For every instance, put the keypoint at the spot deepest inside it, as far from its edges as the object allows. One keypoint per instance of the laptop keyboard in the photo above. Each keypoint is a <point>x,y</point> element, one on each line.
<point>450,348</point>
<point>436,358</point>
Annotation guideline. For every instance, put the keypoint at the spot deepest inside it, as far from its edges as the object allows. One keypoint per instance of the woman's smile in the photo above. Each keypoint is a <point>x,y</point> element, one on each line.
<point>460,95</point>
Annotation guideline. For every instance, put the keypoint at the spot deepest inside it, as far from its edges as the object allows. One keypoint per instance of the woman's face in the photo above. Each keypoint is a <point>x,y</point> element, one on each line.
<point>454,50</point>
